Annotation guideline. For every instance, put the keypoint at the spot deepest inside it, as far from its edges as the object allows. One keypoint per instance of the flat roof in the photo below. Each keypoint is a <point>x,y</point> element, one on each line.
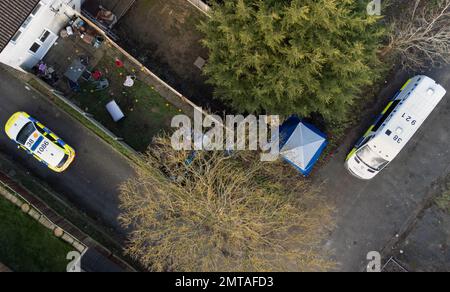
<point>12,14</point>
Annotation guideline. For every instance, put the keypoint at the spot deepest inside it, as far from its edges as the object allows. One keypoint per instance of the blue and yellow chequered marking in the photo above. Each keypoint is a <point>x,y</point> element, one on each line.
<point>52,135</point>
<point>56,138</point>
<point>387,108</point>
<point>369,131</point>
<point>406,84</point>
<point>351,153</point>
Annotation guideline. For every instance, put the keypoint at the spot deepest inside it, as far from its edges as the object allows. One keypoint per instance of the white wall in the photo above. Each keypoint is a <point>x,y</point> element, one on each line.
<point>53,16</point>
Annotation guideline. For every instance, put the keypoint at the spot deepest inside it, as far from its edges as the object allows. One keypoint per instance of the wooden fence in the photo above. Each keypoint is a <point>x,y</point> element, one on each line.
<point>202,6</point>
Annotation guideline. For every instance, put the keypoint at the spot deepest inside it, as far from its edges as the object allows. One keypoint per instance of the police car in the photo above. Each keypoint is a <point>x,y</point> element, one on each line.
<point>39,141</point>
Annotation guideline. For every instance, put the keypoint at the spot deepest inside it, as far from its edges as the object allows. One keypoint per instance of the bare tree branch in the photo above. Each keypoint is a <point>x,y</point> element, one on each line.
<point>421,39</point>
<point>223,213</point>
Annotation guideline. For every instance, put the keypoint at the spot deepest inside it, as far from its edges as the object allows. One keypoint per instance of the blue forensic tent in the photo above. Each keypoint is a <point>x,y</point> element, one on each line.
<point>301,144</point>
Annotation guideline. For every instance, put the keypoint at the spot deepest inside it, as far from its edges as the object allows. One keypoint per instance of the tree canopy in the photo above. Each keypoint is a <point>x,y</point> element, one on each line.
<point>223,213</point>
<point>291,56</point>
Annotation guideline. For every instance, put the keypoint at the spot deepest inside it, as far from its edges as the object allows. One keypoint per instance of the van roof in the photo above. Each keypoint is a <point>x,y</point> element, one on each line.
<point>418,100</point>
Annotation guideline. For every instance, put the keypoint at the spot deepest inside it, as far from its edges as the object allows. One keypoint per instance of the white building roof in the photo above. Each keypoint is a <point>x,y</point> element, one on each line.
<point>419,98</point>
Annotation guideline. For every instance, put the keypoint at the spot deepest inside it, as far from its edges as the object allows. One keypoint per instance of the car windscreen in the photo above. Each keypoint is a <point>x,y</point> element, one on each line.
<point>371,158</point>
<point>25,133</point>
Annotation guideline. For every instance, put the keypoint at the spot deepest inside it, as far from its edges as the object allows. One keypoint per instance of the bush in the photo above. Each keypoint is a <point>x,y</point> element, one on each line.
<point>420,36</point>
<point>222,213</point>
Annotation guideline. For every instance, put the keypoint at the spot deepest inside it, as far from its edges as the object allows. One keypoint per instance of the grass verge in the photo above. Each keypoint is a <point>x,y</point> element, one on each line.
<point>98,232</point>
<point>26,245</point>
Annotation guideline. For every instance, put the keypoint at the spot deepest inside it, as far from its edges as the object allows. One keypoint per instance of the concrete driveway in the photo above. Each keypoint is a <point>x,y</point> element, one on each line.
<point>91,183</point>
<point>370,215</point>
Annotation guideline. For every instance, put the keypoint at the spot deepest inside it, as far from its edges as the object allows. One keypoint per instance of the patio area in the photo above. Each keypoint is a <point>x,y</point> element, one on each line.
<point>72,56</point>
<point>72,47</point>
<point>94,76</point>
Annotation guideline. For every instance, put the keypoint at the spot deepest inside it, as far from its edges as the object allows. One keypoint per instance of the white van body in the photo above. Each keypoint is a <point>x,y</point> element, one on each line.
<point>395,127</point>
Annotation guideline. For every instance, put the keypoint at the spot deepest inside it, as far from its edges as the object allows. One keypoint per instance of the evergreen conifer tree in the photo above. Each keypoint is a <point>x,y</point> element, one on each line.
<point>291,56</point>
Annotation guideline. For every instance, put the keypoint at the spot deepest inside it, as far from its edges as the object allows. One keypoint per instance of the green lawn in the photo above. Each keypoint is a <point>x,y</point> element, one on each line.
<point>27,246</point>
<point>147,113</point>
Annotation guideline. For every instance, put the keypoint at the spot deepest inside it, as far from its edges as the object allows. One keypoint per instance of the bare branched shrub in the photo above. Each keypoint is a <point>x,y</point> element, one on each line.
<point>421,35</point>
<point>222,213</point>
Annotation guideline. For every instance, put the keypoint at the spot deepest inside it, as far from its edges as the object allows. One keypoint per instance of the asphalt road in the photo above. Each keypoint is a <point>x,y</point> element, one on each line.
<point>91,183</point>
<point>372,214</point>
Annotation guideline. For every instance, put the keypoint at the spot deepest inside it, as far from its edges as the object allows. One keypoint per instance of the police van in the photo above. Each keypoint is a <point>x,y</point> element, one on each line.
<point>394,127</point>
